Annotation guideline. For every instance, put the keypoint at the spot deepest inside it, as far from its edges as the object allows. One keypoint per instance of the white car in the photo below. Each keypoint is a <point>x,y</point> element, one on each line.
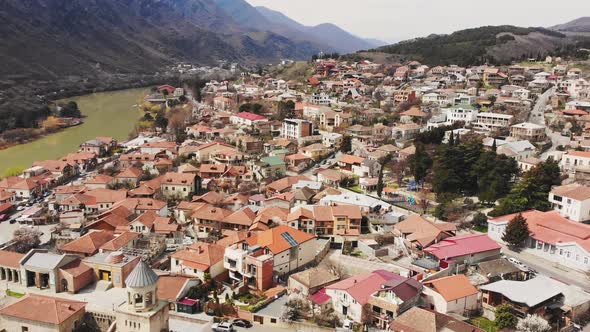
<point>514,261</point>
<point>223,327</point>
<point>348,324</point>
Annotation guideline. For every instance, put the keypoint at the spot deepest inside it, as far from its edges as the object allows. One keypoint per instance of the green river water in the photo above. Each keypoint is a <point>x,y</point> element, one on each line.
<point>107,114</point>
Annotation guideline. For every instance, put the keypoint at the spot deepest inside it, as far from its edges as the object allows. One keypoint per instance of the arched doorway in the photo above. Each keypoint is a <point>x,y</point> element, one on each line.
<point>64,285</point>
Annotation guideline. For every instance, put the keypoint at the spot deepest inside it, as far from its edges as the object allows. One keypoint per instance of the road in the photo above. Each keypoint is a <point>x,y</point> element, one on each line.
<point>537,116</point>
<point>550,269</point>
<point>324,164</point>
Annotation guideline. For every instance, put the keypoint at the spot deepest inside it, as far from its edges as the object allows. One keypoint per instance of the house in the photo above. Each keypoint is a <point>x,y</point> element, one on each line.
<point>464,249</point>
<point>347,162</point>
<point>528,131</point>
<point>333,221</point>
<point>420,233</point>
<point>102,181</point>
<point>174,290</point>
<point>350,296</point>
<point>531,297</point>
<point>394,298</point>
<point>278,250</point>
<point>10,269</point>
<point>423,320</point>
<point>572,201</point>
<point>95,146</point>
<point>453,294</point>
<point>552,237</point>
<point>247,119</point>
<point>571,160</point>
<point>315,151</point>
<point>88,244</point>
<point>296,128</point>
<point>519,150</point>
<point>488,122</point>
<point>112,268</point>
<point>367,168</point>
<point>406,131</point>
<point>198,259</point>
<point>308,282</point>
<point>42,313</point>
<point>414,114</point>
<point>180,185</point>
<point>331,177</point>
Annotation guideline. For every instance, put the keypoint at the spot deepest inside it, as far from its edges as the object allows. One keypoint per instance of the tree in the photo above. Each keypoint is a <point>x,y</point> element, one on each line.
<point>295,309</point>
<point>517,232</point>
<point>346,145</point>
<point>26,239</point>
<point>480,220</point>
<point>420,162</point>
<point>533,323</point>
<point>504,317</point>
<point>69,110</point>
<point>161,121</point>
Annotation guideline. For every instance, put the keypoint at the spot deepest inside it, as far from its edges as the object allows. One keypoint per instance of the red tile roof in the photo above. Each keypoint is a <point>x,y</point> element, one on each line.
<point>274,240</point>
<point>10,258</point>
<point>51,310</point>
<point>361,287</point>
<point>453,287</point>
<point>250,116</point>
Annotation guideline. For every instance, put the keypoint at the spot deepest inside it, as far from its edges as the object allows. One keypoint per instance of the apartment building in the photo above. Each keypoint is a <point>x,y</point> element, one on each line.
<point>295,129</point>
<point>528,131</point>
<point>572,201</point>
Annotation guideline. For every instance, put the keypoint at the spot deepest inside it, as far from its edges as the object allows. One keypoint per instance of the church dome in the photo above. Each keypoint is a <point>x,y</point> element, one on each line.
<point>141,276</point>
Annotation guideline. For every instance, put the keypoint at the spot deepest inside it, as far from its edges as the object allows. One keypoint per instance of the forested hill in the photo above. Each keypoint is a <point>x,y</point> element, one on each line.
<point>494,44</point>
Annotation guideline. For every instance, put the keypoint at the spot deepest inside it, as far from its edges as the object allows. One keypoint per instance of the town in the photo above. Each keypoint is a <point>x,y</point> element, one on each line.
<point>331,194</point>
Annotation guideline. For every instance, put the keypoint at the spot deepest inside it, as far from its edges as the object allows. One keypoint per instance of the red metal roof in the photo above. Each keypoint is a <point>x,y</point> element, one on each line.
<point>462,245</point>
<point>250,116</point>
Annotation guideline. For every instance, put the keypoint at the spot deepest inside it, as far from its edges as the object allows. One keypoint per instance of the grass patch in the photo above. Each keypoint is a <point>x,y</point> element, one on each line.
<point>356,189</point>
<point>484,324</point>
<point>481,229</point>
<point>14,294</point>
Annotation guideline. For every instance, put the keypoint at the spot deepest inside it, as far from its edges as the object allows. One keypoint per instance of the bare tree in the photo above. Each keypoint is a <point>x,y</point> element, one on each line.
<point>25,239</point>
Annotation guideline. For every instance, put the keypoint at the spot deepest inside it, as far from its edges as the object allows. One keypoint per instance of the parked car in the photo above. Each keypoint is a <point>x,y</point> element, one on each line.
<point>514,261</point>
<point>20,208</point>
<point>223,327</point>
<point>348,324</point>
<point>3,217</point>
<point>242,323</point>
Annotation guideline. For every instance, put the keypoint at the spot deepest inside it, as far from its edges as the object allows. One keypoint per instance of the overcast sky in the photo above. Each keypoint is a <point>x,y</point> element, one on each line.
<point>394,20</point>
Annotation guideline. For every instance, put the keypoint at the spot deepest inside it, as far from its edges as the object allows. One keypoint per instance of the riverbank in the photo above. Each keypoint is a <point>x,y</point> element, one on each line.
<point>106,114</point>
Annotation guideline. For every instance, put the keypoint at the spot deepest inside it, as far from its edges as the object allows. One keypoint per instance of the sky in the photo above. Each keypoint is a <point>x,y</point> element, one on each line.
<point>395,20</point>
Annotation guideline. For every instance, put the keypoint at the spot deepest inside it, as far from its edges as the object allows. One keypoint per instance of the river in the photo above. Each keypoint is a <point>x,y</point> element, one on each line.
<point>107,114</point>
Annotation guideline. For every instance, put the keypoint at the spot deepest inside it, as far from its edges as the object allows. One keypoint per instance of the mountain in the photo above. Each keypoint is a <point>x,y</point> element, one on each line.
<point>494,44</point>
<point>327,33</point>
<point>581,24</point>
<point>56,38</point>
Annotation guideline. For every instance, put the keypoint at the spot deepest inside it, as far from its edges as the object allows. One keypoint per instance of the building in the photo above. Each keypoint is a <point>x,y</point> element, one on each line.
<point>571,160</point>
<point>552,237</point>
<point>247,119</point>
<point>420,233</point>
<point>464,249</point>
<point>296,128</point>
<point>112,268</point>
<point>530,297</point>
<point>279,250</point>
<point>488,122</point>
<point>10,270</point>
<point>394,298</point>
<point>333,221</point>
<point>528,131</point>
<point>572,201</point>
<point>143,310</point>
<point>424,320</point>
<point>351,296</point>
<point>453,294</point>
<point>308,282</point>
<point>180,185</point>
<point>42,313</point>
<point>198,259</point>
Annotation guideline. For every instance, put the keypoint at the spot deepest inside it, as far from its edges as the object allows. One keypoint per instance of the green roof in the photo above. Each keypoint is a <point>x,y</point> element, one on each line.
<point>273,161</point>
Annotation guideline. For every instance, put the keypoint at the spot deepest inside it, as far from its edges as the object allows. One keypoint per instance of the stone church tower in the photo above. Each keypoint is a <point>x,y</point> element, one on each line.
<point>142,311</point>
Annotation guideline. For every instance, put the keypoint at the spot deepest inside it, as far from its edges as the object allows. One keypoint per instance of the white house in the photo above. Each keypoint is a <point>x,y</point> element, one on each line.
<point>198,259</point>
<point>572,159</point>
<point>553,237</point>
<point>572,201</point>
<point>246,119</point>
<point>453,294</point>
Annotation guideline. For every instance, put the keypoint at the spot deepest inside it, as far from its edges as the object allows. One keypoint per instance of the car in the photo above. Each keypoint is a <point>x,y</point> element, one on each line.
<point>223,327</point>
<point>20,208</point>
<point>210,312</point>
<point>242,323</point>
<point>348,324</point>
<point>3,217</point>
<point>514,261</point>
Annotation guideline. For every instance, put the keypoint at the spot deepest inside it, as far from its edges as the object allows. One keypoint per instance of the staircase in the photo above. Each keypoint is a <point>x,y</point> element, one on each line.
<point>103,286</point>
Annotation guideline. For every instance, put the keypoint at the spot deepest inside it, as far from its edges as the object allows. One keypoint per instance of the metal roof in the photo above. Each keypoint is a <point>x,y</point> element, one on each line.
<point>141,276</point>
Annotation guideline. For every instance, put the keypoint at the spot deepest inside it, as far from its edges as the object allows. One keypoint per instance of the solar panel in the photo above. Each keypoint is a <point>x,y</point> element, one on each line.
<point>289,239</point>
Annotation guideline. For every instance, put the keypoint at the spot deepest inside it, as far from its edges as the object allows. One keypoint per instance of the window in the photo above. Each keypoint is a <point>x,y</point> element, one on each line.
<point>24,329</point>
<point>273,320</point>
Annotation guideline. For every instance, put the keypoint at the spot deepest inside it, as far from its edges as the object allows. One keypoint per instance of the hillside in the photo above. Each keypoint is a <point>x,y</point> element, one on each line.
<point>51,39</point>
<point>495,44</point>
<point>326,33</point>
<point>581,24</point>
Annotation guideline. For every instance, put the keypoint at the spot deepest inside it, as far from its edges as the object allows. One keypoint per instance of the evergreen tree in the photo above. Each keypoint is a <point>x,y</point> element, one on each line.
<point>420,163</point>
<point>346,145</point>
<point>452,139</point>
<point>504,317</point>
<point>517,232</point>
